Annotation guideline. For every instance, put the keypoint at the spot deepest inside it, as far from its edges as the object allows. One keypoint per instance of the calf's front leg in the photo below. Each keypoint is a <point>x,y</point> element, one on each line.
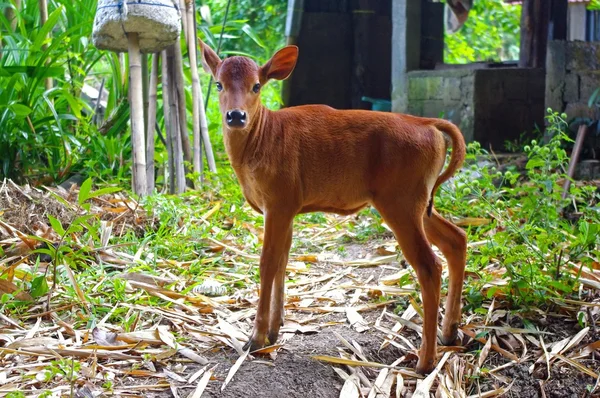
<point>273,261</point>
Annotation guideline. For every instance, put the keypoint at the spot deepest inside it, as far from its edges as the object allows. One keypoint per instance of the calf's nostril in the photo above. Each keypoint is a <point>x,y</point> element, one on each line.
<point>235,118</point>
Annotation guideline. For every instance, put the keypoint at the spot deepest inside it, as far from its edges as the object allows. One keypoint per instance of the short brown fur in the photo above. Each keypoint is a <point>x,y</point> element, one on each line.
<point>315,158</point>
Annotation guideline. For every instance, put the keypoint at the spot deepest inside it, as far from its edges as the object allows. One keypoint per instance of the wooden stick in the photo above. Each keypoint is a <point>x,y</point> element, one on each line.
<point>137,116</point>
<point>150,126</point>
<point>193,49</point>
<point>581,133</point>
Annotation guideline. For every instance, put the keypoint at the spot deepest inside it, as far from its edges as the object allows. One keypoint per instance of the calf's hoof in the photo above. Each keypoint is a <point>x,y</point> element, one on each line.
<point>424,367</point>
<point>254,344</point>
<point>450,335</point>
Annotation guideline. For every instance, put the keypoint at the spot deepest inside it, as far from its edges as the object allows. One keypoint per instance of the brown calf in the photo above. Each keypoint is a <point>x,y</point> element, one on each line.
<point>316,158</point>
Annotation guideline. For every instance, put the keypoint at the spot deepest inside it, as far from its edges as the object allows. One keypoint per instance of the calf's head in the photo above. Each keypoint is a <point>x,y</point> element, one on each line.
<point>239,81</point>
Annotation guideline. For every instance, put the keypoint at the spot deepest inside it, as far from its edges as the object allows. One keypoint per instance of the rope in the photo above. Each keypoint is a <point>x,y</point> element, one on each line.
<point>218,50</point>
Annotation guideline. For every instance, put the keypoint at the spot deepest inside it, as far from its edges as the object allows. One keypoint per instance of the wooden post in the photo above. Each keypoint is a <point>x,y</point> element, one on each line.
<point>534,33</point>
<point>137,116</point>
<point>558,20</point>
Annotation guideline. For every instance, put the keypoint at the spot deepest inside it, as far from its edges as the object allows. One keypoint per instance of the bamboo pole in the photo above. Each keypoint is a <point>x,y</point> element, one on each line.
<point>151,122</point>
<point>166,89</point>
<point>145,81</point>
<point>183,6</point>
<point>175,111</point>
<point>197,149</point>
<point>137,116</point>
<point>43,4</point>
<point>178,84</point>
<point>198,100</point>
<point>11,14</point>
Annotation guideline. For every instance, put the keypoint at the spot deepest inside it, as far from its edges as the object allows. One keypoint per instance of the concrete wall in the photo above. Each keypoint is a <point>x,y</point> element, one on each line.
<point>573,74</point>
<point>491,106</point>
<point>444,93</point>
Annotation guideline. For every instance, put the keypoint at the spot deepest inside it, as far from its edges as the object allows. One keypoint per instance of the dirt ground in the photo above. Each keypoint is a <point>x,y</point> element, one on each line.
<point>473,368</point>
<point>292,372</point>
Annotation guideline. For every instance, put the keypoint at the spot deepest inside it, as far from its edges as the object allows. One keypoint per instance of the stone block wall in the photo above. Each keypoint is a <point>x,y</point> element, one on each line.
<point>573,74</point>
<point>490,106</point>
<point>443,93</point>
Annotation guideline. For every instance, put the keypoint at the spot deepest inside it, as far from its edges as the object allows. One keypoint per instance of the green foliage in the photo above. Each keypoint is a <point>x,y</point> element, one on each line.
<point>39,128</point>
<point>538,239</point>
<point>64,368</point>
<point>492,33</point>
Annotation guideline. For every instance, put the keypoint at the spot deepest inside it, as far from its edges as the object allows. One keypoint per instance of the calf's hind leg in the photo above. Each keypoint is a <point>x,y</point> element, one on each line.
<point>452,241</point>
<point>407,224</point>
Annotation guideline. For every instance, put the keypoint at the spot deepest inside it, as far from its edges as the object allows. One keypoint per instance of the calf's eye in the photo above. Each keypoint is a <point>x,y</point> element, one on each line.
<point>256,88</point>
<point>219,86</point>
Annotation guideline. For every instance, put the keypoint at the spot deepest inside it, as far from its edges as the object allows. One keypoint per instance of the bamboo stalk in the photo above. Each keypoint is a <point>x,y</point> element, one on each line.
<point>96,119</point>
<point>184,20</point>
<point>11,14</point>
<point>166,89</point>
<point>197,150</point>
<point>145,81</point>
<point>137,116</point>
<point>151,122</point>
<point>179,86</point>
<point>199,101</point>
<point>175,111</point>
<point>43,4</point>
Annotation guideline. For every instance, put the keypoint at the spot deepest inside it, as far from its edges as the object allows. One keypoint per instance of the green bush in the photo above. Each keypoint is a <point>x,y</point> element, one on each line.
<point>492,33</point>
<point>536,238</point>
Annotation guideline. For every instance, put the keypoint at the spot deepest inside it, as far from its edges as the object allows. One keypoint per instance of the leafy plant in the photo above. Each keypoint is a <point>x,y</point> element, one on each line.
<point>491,33</point>
<point>538,240</point>
<point>40,128</point>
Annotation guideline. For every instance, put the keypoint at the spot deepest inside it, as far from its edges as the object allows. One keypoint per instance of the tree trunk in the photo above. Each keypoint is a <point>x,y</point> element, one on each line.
<point>137,117</point>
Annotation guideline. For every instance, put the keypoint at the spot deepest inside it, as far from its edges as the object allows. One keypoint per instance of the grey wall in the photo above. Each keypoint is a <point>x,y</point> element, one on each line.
<point>573,74</point>
<point>488,105</point>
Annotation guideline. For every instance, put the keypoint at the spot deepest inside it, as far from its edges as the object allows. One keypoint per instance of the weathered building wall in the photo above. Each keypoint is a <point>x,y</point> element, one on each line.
<point>490,106</point>
<point>444,93</point>
<point>573,74</point>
